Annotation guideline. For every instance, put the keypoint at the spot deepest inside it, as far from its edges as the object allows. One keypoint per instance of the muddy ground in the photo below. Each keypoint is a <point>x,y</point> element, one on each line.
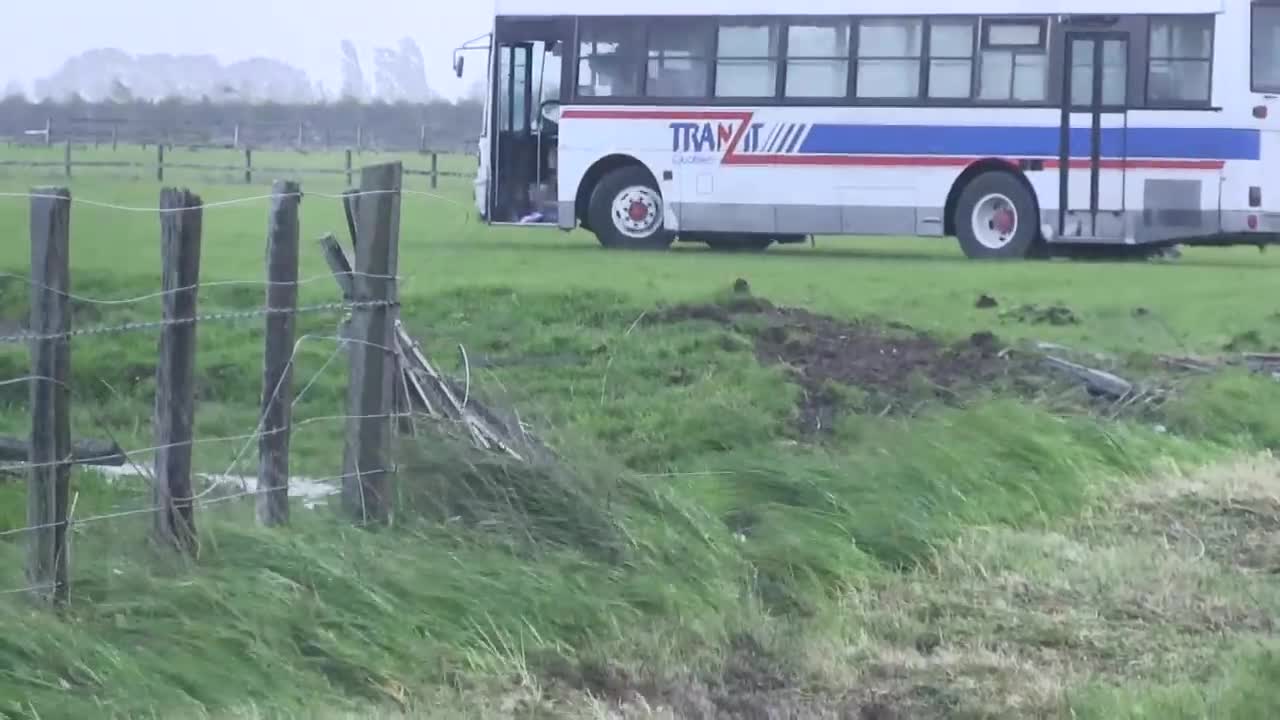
<point>866,365</point>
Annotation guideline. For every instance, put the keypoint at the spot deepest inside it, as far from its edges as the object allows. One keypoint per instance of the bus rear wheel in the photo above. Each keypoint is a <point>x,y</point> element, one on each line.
<point>997,218</point>
<point>626,211</point>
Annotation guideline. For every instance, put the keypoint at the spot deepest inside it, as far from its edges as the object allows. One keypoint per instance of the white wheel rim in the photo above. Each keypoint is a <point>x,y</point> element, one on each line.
<point>637,211</point>
<point>995,221</point>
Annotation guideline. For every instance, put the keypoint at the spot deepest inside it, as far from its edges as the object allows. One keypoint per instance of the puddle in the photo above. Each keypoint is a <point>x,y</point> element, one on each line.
<point>312,492</point>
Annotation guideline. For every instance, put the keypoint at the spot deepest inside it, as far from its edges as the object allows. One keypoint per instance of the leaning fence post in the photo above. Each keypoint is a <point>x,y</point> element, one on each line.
<point>277,364</point>
<point>366,465</point>
<point>435,170</point>
<point>50,449</point>
<point>350,179</point>
<point>181,217</point>
<point>66,159</point>
<point>248,166</point>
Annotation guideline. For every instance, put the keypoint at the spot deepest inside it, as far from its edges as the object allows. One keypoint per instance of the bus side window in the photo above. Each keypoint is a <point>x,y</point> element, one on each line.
<point>1179,60</point>
<point>609,55</point>
<point>1266,48</point>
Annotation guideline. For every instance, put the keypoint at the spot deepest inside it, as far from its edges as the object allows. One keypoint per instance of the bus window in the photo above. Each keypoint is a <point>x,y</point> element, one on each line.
<point>1266,48</point>
<point>747,60</point>
<point>818,59</point>
<point>951,58</point>
<point>889,57</point>
<point>1015,66</point>
<point>1179,60</point>
<point>608,50</point>
<point>679,63</point>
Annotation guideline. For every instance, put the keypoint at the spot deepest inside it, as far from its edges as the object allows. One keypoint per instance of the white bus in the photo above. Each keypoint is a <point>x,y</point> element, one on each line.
<point>1011,125</point>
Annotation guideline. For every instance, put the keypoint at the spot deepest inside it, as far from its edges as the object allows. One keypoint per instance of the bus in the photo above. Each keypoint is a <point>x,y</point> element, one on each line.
<point>1015,126</point>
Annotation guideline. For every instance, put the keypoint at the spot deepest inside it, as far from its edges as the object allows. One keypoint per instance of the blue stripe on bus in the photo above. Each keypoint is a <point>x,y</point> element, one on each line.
<point>1192,143</point>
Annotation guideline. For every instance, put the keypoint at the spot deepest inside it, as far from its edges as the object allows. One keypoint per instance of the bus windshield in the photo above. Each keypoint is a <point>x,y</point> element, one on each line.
<point>1266,48</point>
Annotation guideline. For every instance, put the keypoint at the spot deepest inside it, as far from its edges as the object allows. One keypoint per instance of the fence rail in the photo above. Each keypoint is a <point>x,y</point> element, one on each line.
<point>69,163</point>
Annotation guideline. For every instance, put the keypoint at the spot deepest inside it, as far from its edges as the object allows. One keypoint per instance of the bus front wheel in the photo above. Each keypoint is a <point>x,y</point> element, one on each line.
<point>996,217</point>
<point>626,211</point>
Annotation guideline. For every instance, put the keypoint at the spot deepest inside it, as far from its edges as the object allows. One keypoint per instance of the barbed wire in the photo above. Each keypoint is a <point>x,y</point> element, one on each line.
<point>233,201</point>
<point>225,316</point>
<point>186,288</point>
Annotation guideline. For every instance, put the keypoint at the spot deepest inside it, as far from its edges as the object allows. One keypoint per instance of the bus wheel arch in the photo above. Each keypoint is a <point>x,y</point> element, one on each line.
<point>592,178</point>
<point>999,191</point>
<point>625,209</point>
<point>971,173</point>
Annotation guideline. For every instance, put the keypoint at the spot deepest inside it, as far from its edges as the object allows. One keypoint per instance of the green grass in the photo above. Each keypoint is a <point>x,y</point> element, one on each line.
<point>993,558</point>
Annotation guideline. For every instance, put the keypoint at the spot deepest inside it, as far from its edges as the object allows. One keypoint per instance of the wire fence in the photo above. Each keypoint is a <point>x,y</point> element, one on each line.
<point>366,315</point>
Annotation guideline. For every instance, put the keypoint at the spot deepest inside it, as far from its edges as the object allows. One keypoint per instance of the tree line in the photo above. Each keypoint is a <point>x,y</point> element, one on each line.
<point>436,125</point>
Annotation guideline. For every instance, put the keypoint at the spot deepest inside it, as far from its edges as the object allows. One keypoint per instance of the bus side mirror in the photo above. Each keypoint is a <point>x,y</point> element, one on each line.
<point>459,61</point>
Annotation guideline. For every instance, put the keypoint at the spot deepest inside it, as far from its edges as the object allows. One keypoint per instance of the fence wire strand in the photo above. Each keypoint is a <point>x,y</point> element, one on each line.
<point>233,201</point>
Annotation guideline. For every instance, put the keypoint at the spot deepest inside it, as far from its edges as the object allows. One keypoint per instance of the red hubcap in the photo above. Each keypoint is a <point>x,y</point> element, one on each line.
<point>638,211</point>
<point>1003,221</point>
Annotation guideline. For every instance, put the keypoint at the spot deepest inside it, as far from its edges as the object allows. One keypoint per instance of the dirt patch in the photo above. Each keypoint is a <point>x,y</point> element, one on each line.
<point>752,685</point>
<point>866,366</point>
<point>1057,315</point>
<point>1240,533</point>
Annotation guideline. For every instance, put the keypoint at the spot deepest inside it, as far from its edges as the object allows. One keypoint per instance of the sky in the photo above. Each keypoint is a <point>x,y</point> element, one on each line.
<point>305,33</point>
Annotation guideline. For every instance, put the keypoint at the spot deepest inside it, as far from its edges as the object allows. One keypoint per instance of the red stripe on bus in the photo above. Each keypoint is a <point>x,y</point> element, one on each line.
<point>952,161</point>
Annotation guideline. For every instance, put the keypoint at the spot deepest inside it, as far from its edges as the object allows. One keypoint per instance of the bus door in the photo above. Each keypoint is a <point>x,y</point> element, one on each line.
<point>524,121</point>
<point>1092,147</point>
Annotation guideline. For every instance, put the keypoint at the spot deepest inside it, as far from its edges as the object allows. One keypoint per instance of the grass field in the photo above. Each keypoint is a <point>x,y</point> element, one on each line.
<point>760,512</point>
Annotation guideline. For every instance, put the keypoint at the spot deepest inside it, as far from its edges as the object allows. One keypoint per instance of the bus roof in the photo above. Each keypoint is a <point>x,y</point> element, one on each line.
<point>543,8</point>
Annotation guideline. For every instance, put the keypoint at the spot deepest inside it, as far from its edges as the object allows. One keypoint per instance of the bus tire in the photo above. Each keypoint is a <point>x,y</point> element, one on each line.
<point>626,211</point>
<point>996,218</point>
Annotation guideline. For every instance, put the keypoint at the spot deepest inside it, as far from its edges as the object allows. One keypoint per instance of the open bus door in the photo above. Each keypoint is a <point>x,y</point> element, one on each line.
<point>481,184</point>
<point>1092,150</point>
<point>523,119</point>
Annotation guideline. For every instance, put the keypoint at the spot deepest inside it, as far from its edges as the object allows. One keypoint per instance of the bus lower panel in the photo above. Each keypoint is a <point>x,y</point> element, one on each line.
<point>1153,226</point>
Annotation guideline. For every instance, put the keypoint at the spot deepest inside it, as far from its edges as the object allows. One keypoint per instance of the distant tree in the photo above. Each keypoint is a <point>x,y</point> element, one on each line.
<point>353,85</point>
<point>120,92</point>
<point>14,89</point>
<point>412,72</point>
<point>386,75</point>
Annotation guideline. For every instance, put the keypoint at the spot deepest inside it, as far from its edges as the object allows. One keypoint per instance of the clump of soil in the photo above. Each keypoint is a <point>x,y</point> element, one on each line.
<point>875,367</point>
<point>1057,315</point>
<point>985,302</point>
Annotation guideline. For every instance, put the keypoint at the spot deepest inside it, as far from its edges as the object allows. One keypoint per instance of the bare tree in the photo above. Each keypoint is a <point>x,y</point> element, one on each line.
<point>353,85</point>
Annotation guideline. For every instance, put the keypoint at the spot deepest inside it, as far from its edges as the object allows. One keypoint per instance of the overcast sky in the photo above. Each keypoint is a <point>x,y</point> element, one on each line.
<point>36,38</point>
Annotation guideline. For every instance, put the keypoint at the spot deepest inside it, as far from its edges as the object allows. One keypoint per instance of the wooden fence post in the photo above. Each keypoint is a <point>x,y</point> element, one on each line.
<point>435,170</point>
<point>160,162</point>
<point>115,139</point>
<point>366,465</point>
<point>248,166</point>
<point>350,179</point>
<point>50,449</point>
<point>277,364</point>
<point>181,218</point>
<point>66,158</point>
